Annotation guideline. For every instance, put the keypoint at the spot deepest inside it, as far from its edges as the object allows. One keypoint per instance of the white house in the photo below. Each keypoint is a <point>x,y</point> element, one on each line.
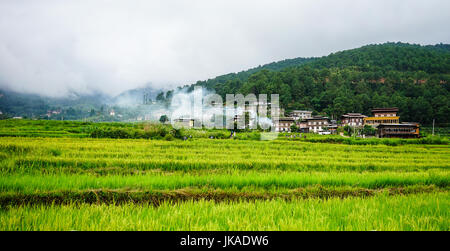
<point>301,115</point>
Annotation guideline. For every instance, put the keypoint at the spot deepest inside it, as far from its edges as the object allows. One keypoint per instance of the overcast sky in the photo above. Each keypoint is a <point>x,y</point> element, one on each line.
<point>52,47</point>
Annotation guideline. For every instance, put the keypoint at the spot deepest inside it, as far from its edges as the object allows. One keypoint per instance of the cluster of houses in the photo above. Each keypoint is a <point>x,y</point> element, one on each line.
<point>385,120</point>
<point>53,112</point>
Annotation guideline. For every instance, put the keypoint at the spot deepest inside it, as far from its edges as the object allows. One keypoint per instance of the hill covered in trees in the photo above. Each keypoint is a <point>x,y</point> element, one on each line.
<point>412,77</point>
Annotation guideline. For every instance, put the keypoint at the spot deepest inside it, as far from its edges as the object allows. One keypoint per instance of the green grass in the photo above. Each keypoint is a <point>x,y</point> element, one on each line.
<point>60,178</point>
<point>102,156</point>
<point>238,179</point>
<point>409,213</point>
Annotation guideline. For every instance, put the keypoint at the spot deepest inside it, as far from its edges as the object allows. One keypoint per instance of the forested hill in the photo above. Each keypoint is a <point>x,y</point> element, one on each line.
<point>392,56</point>
<point>244,75</point>
<point>412,77</point>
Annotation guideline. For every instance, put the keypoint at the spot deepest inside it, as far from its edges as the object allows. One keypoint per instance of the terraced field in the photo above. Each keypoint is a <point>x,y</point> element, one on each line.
<point>203,184</point>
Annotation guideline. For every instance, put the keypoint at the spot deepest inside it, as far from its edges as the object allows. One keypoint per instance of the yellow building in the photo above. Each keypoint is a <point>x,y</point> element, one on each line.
<point>383,116</point>
<point>375,121</point>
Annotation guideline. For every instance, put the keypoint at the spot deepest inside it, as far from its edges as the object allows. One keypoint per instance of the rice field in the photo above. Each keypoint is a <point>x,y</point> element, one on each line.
<point>81,183</point>
<point>428,212</point>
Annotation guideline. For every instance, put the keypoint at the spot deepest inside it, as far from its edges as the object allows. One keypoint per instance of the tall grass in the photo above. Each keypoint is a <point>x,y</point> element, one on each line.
<point>25,155</point>
<point>240,180</point>
<point>410,213</point>
<point>248,184</point>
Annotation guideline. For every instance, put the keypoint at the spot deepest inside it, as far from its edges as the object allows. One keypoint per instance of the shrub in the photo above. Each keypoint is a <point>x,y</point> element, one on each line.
<point>169,137</point>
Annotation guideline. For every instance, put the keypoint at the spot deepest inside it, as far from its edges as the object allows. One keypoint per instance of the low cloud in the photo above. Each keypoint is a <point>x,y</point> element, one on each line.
<point>53,47</point>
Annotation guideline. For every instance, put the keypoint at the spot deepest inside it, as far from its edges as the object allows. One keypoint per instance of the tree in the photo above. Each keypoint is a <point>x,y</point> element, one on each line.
<point>164,119</point>
<point>369,130</point>
<point>160,97</point>
<point>348,130</point>
<point>294,128</point>
<point>422,110</point>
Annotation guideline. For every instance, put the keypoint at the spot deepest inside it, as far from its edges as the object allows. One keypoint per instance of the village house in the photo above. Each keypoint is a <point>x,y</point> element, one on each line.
<point>385,112</point>
<point>303,126</point>
<point>403,130</point>
<point>383,116</point>
<point>184,123</point>
<point>284,124</point>
<point>333,127</point>
<point>353,119</point>
<point>51,113</point>
<point>279,111</point>
<point>300,115</point>
<point>318,124</point>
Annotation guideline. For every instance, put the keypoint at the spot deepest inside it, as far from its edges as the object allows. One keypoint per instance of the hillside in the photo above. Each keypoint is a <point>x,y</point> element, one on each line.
<point>412,77</point>
<point>35,106</point>
<point>74,107</point>
<point>237,78</point>
<point>391,57</point>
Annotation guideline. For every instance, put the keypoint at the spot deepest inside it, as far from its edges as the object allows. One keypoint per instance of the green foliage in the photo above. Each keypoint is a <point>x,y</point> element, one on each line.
<point>369,130</point>
<point>164,119</point>
<point>294,128</point>
<point>140,131</point>
<point>336,139</point>
<point>169,137</point>
<point>392,57</point>
<point>348,130</point>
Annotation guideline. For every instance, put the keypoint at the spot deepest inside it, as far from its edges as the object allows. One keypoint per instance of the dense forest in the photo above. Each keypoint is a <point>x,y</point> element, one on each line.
<point>413,78</point>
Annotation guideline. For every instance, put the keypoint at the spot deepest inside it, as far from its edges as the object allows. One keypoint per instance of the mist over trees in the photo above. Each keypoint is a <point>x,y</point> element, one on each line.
<point>413,78</point>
